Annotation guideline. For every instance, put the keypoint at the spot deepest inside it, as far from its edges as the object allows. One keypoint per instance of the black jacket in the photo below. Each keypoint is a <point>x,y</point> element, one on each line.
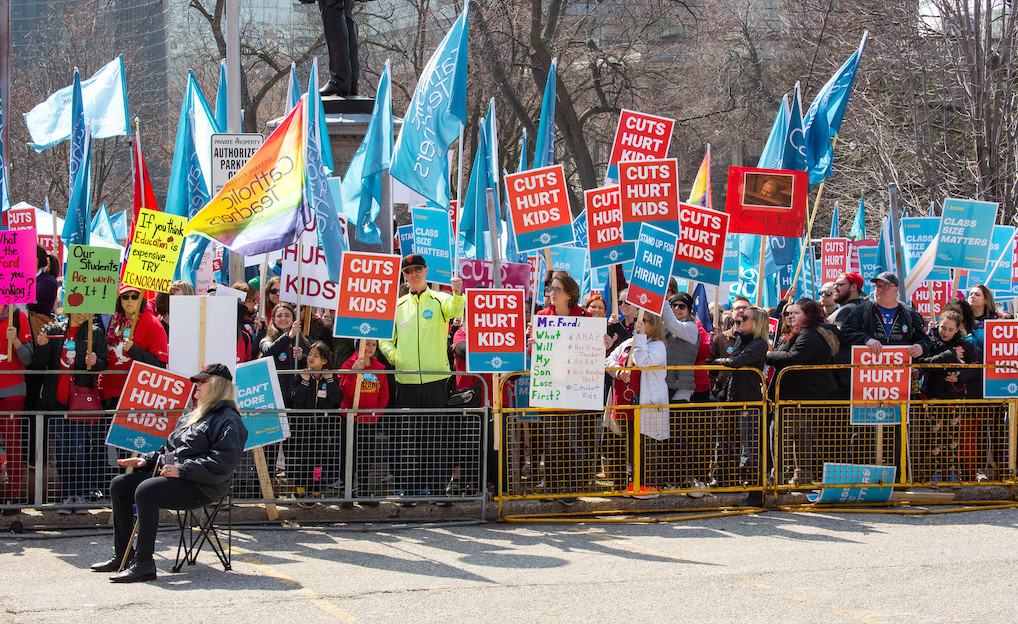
<point>47,357</point>
<point>209,451</point>
<point>935,384</point>
<point>805,348</point>
<point>304,394</point>
<point>744,385</point>
<point>865,322</point>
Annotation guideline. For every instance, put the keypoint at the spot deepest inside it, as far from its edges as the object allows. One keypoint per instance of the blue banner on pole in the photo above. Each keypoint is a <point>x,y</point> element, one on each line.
<point>966,227</point>
<point>433,240</point>
<point>572,260</point>
<point>406,239</point>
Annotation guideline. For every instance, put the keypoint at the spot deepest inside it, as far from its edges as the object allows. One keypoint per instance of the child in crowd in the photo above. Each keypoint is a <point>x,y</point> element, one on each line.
<point>374,394</point>
<point>314,450</point>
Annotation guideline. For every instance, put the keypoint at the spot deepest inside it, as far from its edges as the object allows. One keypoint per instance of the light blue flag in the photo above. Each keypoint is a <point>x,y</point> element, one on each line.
<point>835,226</point>
<point>933,206</point>
<point>794,155</point>
<point>544,143</point>
<point>119,223</point>
<point>473,213</point>
<point>196,194</point>
<point>5,198</point>
<point>323,131</point>
<point>511,253</point>
<point>76,225</point>
<point>859,225</point>
<point>823,119</point>
<point>196,125</point>
<point>102,225</point>
<point>362,184</point>
<point>104,107</point>
<point>317,194</point>
<point>222,106</point>
<point>292,89</point>
<point>435,118</point>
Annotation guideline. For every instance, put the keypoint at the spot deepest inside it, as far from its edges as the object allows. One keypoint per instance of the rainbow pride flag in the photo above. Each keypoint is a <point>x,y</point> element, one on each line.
<point>700,194</point>
<point>259,209</point>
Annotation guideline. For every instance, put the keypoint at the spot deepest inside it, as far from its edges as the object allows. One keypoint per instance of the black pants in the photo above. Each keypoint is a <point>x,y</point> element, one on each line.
<point>149,494</point>
<point>341,39</point>
<point>426,439</point>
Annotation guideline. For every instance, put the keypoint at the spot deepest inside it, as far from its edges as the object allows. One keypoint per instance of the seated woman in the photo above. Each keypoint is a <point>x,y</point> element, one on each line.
<point>203,452</point>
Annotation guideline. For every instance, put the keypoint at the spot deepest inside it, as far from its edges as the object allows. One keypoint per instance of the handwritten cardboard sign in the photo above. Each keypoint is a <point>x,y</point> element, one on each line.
<point>155,250</point>
<point>767,201</point>
<point>885,378</point>
<point>655,252</point>
<point>604,228</point>
<point>700,254</point>
<point>649,193</point>
<point>17,266</point>
<point>539,208</point>
<point>305,271</point>
<point>367,296</point>
<point>93,275</point>
<point>496,334</point>
<point>567,362</point>
<point>148,387</point>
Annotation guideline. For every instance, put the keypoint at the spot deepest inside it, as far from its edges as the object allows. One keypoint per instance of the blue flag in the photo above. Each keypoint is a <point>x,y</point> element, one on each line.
<point>823,119</point>
<point>102,225</point>
<point>292,89</point>
<point>794,155</point>
<point>511,253</point>
<point>196,194</point>
<point>701,309</point>
<point>316,186</point>
<point>835,226</point>
<point>473,212</point>
<point>544,143</point>
<point>119,223</point>
<point>859,225</point>
<point>362,184</point>
<point>435,118</point>
<point>195,128</point>
<point>76,225</point>
<point>222,99</point>
<point>104,108</point>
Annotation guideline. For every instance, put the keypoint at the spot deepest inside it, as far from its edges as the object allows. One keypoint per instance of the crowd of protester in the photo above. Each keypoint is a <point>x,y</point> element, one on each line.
<point>424,454</point>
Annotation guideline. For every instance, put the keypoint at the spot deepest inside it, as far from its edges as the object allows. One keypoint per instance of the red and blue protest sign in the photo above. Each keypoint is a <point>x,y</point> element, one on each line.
<point>496,330</point>
<point>833,258</point>
<point>639,136</point>
<point>604,228</point>
<point>539,208</point>
<point>1001,381</point>
<point>649,193</point>
<point>655,253</point>
<point>883,382</point>
<point>148,388</point>
<point>700,254</point>
<point>966,227</point>
<point>368,290</point>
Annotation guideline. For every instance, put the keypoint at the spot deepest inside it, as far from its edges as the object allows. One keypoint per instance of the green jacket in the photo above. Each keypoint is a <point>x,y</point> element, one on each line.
<point>420,341</point>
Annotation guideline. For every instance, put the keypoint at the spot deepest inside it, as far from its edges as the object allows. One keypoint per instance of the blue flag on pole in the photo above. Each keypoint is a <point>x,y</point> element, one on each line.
<point>104,108</point>
<point>474,211</point>
<point>292,89</point>
<point>823,119</point>
<point>102,225</point>
<point>835,226</point>
<point>859,225</point>
<point>435,118</point>
<point>119,223</point>
<point>222,106</point>
<point>701,309</point>
<point>544,143</point>
<point>196,125</point>
<point>794,155</point>
<point>196,194</point>
<point>316,187</point>
<point>76,226</point>
<point>362,184</point>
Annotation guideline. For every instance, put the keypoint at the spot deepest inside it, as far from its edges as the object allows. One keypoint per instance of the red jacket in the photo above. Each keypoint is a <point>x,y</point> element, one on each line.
<point>374,390</point>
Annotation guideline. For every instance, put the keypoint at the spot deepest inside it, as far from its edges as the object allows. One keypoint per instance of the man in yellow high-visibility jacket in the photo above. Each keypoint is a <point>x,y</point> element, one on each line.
<point>420,343</point>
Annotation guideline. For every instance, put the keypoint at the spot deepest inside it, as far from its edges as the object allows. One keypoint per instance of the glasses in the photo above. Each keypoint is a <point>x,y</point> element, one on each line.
<point>882,285</point>
<point>826,293</point>
<point>133,296</point>
<point>273,291</point>
<point>412,269</point>
<point>556,289</point>
<point>840,284</point>
<point>680,306</point>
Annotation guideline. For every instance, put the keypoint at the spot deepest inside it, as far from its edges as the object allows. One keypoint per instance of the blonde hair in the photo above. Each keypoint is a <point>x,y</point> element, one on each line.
<point>657,329</point>
<point>219,389</point>
<point>184,287</point>
<point>761,321</point>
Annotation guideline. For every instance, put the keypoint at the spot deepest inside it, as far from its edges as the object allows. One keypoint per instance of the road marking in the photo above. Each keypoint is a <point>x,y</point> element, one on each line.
<point>315,599</point>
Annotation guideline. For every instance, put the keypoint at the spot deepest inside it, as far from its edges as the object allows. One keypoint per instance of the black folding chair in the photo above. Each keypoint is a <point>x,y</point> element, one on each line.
<point>198,527</point>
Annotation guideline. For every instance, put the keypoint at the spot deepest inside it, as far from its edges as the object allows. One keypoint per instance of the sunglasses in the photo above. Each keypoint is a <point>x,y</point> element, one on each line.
<point>412,269</point>
<point>680,306</point>
<point>201,382</point>
<point>133,296</point>
<point>273,291</point>
<point>826,293</point>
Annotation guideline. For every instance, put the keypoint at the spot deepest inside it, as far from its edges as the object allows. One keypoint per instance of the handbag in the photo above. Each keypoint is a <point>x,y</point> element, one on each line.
<point>84,403</point>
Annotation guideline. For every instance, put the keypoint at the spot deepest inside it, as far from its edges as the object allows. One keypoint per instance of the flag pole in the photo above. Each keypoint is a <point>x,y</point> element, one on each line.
<point>459,207</point>
<point>809,227</point>
<point>760,272</point>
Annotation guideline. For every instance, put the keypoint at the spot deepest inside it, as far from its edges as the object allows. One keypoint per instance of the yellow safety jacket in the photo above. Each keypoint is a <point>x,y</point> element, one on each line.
<point>420,341</point>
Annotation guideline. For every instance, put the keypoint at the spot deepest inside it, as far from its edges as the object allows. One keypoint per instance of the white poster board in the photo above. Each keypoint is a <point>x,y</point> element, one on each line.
<point>316,288</point>
<point>567,362</point>
<point>220,333</point>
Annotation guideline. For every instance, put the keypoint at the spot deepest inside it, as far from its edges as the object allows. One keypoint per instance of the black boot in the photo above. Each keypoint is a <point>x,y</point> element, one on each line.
<point>137,572</point>
<point>330,89</point>
<point>113,564</point>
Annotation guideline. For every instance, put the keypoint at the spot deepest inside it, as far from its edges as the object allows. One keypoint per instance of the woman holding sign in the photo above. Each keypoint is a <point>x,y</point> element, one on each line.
<point>134,334</point>
<point>15,354</point>
<point>203,452</point>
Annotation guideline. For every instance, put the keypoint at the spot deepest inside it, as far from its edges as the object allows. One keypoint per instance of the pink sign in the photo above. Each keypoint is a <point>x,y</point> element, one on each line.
<point>479,274</point>
<point>834,258</point>
<point>17,266</point>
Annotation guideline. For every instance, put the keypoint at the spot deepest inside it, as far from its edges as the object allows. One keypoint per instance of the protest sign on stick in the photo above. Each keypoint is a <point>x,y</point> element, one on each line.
<point>649,193</point>
<point>640,136</point>
<point>17,266</point>
<point>304,279</point>
<point>885,378</point>
<point>567,362</point>
<point>20,218</point>
<point>193,344</point>
<point>496,333</point>
<point>700,252</point>
<point>965,230</point>
<point>833,258</point>
<point>258,389</point>
<point>148,387</point>
<point>539,208</point>
<point>655,253</point>
<point>155,250</point>
<point>366,307</point>
<point>479,274</point>
<point>433,240</point>
<point>917,234</point>
<point>1001,381</point>
<point>93,275</point>
<point>939,291</point>
<point>604,228</point>
<point>769,202</point>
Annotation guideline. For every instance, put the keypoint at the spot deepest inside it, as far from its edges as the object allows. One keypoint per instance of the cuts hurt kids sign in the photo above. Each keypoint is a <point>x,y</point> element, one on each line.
<point>496,338</point>
<point>369,284</point>
<point>649,193</point>
<point>539,208</point>
<point>148,387</point>
<point>884,378</point>
<point>1001,381</point>
<point>639,136</point>
<point>604,228</point>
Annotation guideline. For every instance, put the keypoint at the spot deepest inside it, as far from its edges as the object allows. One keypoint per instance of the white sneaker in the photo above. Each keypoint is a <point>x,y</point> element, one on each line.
<point>700,485</point>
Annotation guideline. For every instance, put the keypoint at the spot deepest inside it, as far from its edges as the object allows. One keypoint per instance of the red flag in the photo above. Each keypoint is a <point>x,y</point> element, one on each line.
<point>143,195</point>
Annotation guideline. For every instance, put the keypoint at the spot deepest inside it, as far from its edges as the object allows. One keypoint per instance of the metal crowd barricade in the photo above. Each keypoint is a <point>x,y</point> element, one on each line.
<point>928,442</point>
<point>408,456</point>
<point>623,450</point>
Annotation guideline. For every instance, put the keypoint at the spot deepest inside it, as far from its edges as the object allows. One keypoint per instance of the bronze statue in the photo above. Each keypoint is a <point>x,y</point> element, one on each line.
<point>341,39</point>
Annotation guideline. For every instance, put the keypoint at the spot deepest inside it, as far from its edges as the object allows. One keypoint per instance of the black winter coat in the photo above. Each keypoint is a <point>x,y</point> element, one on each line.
<point>865,322</point>
<point>748,352</point>
<point>47,357</point>
<point>935,384</point>
<point>805,348</point>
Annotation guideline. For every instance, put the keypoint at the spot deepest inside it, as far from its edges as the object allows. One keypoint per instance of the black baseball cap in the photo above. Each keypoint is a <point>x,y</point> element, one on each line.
<point>888,277</point>
<point>219,370</point>
<point>412,260</point>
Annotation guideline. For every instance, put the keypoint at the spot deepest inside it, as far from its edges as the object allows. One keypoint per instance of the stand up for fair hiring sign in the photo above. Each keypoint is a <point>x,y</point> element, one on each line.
<point>655,252</point>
